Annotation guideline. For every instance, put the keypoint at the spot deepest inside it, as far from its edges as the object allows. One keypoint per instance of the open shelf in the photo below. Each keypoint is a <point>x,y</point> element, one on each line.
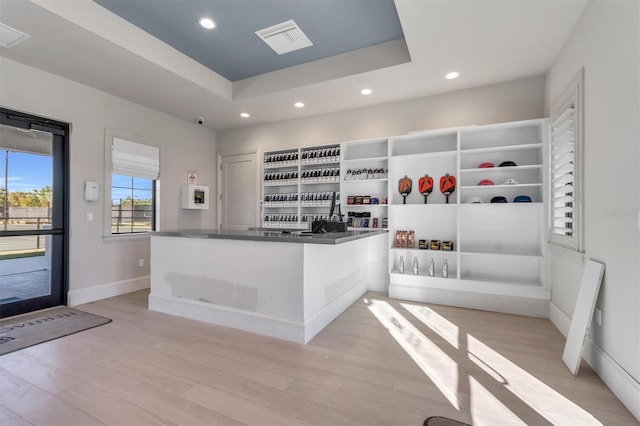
<point>365,180</point>
<point>507,148</point>
<point>506,169</point>
<point>358,206</point>
<point>365,160</point>
<point>425,155</point>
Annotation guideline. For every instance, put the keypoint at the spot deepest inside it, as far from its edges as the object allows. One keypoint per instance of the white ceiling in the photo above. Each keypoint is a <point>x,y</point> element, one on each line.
<point>487,41</point>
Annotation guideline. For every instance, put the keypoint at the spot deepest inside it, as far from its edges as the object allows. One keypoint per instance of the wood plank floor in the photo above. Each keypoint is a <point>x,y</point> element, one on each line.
<point>383,362</point>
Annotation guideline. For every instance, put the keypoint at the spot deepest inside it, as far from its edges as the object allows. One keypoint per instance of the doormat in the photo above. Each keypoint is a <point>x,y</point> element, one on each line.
<point>39,327</point>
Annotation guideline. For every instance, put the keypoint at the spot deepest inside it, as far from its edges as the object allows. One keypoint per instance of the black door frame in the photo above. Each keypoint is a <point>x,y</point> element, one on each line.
<point>60,211</point>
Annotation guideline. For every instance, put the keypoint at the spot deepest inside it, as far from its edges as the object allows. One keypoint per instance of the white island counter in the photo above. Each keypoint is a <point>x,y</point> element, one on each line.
<point>266,282</point>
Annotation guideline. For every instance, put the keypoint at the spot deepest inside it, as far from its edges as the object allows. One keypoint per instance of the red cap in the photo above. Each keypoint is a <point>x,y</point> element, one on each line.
<point>486,165</point>
<point>484,182</point>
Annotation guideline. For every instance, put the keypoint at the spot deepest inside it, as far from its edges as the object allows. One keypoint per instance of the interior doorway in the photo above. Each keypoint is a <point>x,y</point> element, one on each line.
<point>238,199</point>
<point>33,213</point>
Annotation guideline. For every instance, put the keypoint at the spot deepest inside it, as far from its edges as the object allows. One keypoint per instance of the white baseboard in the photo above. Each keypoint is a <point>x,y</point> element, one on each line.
<point>379,283</point>
<point>333,310</point>
<point>623,386</point>
<point>228,317</point>
<point>105,291</point>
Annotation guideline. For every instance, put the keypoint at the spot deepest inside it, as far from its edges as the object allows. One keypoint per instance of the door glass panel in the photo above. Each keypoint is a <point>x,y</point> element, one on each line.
<point>25,267</point>
<point>26,179</point>
<point>26,201</point>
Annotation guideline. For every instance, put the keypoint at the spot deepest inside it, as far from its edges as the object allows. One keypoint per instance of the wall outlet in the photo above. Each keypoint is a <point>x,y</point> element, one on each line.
<point>598,315</point>
<point>141,262</point>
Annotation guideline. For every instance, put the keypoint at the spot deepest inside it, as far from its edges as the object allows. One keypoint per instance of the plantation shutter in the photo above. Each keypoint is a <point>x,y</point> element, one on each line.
<point>565,169</point>
<point>135,159</point>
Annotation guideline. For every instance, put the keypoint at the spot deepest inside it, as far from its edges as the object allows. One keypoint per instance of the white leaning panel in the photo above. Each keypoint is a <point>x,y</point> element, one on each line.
<point>582,314</point>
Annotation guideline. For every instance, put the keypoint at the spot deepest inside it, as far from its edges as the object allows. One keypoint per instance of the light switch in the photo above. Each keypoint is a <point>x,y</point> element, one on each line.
<point>89,217</point>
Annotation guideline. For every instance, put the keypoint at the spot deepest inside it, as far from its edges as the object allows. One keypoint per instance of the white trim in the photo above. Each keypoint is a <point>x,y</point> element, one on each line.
<point>559,319</point>
<point>333,310</point>
<point>229,317</point>
<point>105,291</point>
<point>621,383</point>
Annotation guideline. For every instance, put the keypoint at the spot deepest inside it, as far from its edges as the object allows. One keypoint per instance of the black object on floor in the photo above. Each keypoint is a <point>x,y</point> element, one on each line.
<point>39,327</point>
<point>443,421</point>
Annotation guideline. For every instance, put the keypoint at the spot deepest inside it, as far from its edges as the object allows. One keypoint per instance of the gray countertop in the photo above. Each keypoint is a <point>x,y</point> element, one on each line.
<point>271,235</point>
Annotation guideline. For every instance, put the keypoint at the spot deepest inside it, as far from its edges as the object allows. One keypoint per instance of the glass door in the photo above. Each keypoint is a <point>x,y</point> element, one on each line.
<point>32,213</point>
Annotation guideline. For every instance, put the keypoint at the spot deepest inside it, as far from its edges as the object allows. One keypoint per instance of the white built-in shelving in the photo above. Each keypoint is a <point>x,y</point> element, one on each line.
<point>499,251</point>
<point>364,177</point>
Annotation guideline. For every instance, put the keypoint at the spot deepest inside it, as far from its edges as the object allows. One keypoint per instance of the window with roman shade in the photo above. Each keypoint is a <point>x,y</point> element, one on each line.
<point>565,169</point>
<point>135,168</point>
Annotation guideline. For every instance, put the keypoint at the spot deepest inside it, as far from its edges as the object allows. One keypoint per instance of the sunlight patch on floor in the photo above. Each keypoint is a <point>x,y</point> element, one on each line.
<point>486,409</point>
<point>445,328</point>
<point>433,361</point>
<point>494,374</point>
<point>544,400</point>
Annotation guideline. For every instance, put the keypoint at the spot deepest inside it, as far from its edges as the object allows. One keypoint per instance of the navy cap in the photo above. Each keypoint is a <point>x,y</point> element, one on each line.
<point>499,199</point>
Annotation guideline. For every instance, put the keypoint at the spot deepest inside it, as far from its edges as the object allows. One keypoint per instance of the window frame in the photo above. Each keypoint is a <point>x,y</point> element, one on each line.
<point>110,134</point>
<point>572,95</point>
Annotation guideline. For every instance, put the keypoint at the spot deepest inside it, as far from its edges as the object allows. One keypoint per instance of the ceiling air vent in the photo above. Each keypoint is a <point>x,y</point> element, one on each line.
<point>9,37</point>
<point>285,37</point>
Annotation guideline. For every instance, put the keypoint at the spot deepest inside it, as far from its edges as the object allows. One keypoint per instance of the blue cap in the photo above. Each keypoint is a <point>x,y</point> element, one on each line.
<point>522,199</point>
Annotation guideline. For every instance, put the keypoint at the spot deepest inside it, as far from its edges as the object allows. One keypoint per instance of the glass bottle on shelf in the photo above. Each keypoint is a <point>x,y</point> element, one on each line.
<point>432,267</point>
<point>415,265</point>
<point>401,266</point>
<point>445,269</point>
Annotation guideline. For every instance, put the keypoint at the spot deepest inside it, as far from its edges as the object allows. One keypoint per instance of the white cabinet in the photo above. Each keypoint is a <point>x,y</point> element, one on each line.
<point>498,257</point>
<point>194,197</point>
<point>363,187</point>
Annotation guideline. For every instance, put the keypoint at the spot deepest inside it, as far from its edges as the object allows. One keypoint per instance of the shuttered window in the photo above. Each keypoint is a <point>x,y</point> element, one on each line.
<point>565,168</point>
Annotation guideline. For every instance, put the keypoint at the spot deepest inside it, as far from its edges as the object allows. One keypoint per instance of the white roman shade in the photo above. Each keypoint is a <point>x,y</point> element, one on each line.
<point>135,159</point>
<point>565,169</point>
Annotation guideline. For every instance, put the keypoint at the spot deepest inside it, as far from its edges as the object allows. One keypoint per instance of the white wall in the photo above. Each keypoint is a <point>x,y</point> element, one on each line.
<point>511,101</point>
<point>606,42</point>
<point>99,268</point>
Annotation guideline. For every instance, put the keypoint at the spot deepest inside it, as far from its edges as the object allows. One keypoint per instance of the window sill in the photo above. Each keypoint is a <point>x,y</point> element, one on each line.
<point>125,237</point>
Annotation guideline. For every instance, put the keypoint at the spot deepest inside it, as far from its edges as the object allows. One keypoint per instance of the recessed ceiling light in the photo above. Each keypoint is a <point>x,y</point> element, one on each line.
<point>366,91</point>
<point>207,23</point>
<point>298,104</point>
<point>245,115</point>
<point>452,75</point>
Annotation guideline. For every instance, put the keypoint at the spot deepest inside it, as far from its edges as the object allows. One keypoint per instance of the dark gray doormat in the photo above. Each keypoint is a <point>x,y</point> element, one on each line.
<point>39,327</point>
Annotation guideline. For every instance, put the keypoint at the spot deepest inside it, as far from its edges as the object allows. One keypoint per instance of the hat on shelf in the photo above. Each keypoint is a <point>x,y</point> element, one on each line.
<point>499,199</point>
<point>485,165</point>
<point>485,182</point>
<point>522,199</point>
<point>511,181</point>
<point>507,164</point>
<point>474,200</point>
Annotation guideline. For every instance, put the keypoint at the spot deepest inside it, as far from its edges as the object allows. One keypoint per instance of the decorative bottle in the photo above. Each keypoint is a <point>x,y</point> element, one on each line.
<point>445,269</point>
<point>401,266</point>
<point>432,267</point>
<point>415,265</point>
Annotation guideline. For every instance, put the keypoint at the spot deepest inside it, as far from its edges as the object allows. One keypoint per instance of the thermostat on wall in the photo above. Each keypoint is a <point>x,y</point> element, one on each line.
<point>90,190</point>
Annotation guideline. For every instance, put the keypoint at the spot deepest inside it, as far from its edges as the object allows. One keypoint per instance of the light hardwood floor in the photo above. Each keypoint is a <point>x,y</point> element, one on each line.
<point>382,362</point>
